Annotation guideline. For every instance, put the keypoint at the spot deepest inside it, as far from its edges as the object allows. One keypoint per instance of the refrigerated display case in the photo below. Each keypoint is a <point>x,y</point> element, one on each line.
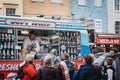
<point>11,43</point>
<point>7,42</point>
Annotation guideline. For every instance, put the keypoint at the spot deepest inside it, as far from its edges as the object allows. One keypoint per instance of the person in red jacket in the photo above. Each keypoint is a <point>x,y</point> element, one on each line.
<point>29,68</point>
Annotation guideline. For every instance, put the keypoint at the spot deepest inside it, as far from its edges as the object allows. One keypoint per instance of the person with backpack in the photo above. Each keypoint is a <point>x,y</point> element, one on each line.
<point>27,71</point>
<point>109,71</point>
<point>48,71</point>
<point>87,71</point>
<point>66,67</point>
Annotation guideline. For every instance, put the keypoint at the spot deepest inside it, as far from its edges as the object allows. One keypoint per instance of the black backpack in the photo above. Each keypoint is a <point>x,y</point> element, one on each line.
<point>20,73</point>
<point>70,65</point>
<point>71,68</point>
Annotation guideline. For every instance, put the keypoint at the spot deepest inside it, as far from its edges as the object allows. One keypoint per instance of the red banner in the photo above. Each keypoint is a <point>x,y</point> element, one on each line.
<point>107,40</point>
<point>9,68</point>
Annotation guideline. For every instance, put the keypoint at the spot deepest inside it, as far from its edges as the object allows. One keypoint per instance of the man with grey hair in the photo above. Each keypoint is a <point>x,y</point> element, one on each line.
<point>55,57</point>
<point>54,52</point>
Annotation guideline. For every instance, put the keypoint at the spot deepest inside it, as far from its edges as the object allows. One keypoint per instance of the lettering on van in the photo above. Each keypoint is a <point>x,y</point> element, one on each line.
<point>8,67</point>
<point>33,23</point>
<point>107,41</point>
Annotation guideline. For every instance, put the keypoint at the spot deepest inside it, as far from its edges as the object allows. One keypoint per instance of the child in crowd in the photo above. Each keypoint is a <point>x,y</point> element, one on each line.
<point>109,71</point>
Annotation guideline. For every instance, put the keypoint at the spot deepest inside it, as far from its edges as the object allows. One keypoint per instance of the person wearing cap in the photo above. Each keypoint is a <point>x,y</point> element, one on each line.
<point>31,43</point>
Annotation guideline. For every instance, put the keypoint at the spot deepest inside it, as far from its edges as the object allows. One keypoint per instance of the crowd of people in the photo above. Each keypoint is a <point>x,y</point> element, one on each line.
<point>62,68</point>
<point>53,67</point>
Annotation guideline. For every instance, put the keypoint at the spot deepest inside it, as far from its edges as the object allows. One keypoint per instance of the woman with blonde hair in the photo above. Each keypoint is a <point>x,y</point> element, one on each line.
<point>29,68</point>
<point>48,72</point>
<point>48,61</point>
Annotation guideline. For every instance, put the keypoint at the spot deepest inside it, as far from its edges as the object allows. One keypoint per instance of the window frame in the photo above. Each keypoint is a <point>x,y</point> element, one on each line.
<point>57,1</point>
<point>117,5</point>
<point>38,0</point>
<point>8,14</point>
<point>117,27</point>
<point>98,24</point>
<point>98,3</point>
<point>81,2</point>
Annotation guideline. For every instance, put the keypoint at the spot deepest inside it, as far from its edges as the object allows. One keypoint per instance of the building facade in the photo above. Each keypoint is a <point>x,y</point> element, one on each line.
<point>114,16</point>
<point>48,9</point>
<point>93,13</point>
<point>11,7</point>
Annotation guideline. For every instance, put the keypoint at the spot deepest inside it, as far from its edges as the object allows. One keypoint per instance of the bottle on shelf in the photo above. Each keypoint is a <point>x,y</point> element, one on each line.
<point>5,37</point>
<point>3,52</point>
<point>12,57</point>
<point>2,37</point>
<point>71,50</point>
<point>3,57</point>
<point>68,50</point>
<point>8,45</point>
<point>5,45</point>
<point>72,57</point>
<point>0,54</point>
<point>12,52</point>
<point>12,37</point>
<point>67,33</point>
<point>1,46</point>
<point>12,45</point>
<point>9,37</point>
<point>8,54</point>
<point>74,50</point>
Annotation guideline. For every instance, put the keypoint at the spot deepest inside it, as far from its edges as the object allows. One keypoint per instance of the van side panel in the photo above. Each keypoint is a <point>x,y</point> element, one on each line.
<point>84,42</point>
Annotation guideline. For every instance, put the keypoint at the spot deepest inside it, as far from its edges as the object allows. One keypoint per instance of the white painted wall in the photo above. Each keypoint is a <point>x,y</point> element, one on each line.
<point>112,16</point>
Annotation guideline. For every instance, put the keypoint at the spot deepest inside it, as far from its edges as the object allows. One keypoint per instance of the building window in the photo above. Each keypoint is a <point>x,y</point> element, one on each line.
<point>117,5</point>
<point>10,11</point>
<point>117,27</point>
<point>98,25</point>
<point>81,2</point>
<point>56,1</point>
<point>98,2</point>
<point>38,0</point>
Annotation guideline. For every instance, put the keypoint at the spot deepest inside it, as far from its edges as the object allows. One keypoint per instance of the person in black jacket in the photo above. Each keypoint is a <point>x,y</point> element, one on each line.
<point>109,71</point>
<point>87,71</point>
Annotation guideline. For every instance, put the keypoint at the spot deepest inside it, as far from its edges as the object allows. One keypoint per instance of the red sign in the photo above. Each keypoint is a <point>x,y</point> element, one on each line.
<point>107,41</point>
